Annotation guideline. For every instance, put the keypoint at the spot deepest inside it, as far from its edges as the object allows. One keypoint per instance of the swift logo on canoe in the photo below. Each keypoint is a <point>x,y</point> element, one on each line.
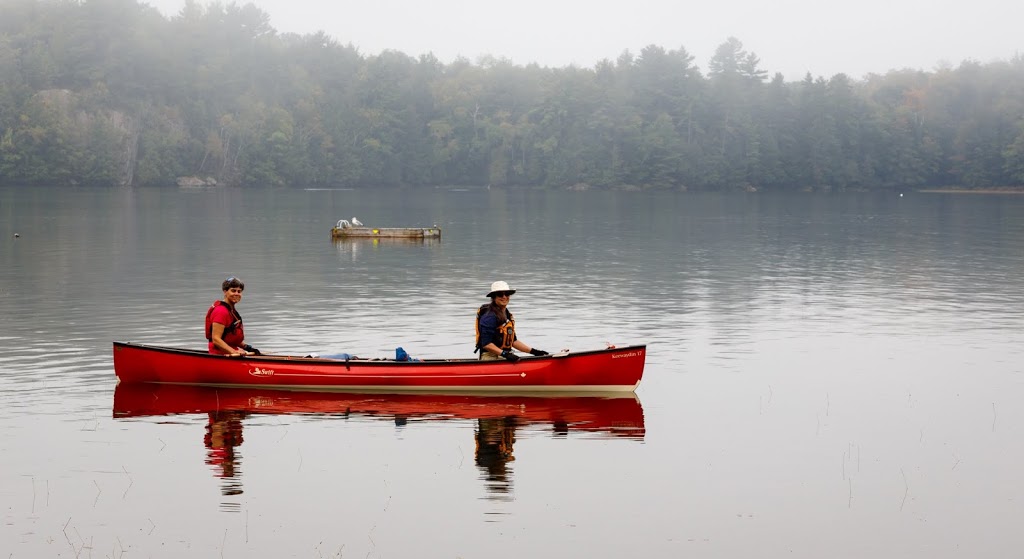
<point>630,354</point>
<point>258,372</point>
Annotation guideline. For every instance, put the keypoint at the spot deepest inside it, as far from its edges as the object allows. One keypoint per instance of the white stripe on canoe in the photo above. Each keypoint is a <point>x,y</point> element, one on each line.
<point>587,390</point>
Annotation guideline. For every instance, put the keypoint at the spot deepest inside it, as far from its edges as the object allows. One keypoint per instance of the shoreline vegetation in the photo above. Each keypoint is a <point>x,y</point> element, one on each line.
<point>955,190</point>
<point>117,94</point>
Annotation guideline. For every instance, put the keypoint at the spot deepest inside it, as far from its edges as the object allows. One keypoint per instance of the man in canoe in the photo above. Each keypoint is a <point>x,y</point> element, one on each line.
<point>496,330</point>
<point>224,328</point>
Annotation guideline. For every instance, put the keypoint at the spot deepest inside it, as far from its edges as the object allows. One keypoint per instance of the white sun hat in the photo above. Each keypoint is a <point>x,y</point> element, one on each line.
<point>499,286</point>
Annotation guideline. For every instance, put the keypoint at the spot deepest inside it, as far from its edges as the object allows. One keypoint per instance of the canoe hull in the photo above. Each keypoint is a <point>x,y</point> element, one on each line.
<point>386,232</point>
<point>607,370</point>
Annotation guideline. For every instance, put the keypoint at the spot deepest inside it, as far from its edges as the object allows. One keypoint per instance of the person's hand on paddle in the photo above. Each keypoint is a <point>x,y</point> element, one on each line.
<point>538,352</point>
<point>511,357</point>
<point>245,351</point>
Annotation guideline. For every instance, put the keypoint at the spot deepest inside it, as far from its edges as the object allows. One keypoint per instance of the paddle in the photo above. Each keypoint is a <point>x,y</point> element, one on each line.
<point>566,351</point>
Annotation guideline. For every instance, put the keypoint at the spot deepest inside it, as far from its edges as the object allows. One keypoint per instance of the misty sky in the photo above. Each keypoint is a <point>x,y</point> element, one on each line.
<point>794,37</point>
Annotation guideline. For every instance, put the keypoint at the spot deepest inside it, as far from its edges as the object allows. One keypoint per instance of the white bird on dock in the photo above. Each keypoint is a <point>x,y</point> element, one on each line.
<point>356,222</point>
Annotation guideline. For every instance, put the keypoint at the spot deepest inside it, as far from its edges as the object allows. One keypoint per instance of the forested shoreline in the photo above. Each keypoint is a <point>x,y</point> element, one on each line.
<point>111,92</point>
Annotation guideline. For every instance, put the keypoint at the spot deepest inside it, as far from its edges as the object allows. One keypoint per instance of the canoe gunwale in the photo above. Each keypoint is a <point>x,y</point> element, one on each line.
<point>370,362</point>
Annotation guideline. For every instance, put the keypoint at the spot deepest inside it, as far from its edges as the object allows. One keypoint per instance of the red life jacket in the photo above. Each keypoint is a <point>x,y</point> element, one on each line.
<point>227,329</point>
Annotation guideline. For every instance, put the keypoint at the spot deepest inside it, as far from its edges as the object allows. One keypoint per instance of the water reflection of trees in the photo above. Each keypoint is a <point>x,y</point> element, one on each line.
<point>497,419</point>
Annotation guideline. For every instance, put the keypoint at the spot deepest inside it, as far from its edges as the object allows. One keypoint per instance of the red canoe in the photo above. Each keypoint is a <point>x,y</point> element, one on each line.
<point>619,415</point>
<point>606,370</point>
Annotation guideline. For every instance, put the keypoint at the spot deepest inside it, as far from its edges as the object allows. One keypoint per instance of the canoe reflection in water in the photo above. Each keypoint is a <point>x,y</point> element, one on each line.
<point>497,417</point>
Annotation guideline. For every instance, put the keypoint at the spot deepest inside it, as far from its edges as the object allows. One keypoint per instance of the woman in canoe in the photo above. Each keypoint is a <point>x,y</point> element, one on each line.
<point>496,330</point>
<point>224,328</point>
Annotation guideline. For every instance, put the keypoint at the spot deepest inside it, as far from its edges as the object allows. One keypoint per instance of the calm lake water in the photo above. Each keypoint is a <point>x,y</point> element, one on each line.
<point>827,376</point>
